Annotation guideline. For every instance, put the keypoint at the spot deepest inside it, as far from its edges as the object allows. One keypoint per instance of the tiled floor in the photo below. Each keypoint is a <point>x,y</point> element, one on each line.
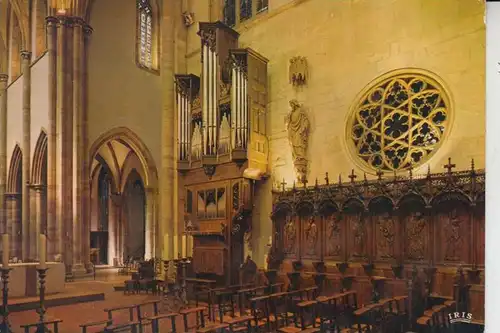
<point>74,315</point>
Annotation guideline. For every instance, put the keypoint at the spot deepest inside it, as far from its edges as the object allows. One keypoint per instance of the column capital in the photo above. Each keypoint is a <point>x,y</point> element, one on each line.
<point>63,20</point>
<point>4,78</point>
<point>26,55</point>
<point>78,21</point>
<point>51,20</point>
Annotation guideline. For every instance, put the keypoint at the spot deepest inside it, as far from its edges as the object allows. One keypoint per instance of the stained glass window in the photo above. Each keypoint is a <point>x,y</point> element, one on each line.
<point>145,33</point>
<point>399,122</point>
<point>245,9</point>
<point>262,5</point>
<point>229,12</point>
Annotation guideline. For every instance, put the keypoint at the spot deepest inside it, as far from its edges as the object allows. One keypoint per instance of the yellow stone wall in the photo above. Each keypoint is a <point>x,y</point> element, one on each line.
<point>348,44</point>
<point>120,94</point>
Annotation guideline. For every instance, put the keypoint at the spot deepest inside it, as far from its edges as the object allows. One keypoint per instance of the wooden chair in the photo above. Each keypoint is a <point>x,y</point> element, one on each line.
<point>199,314</point>
<point>131,327</point>
<point>129,308</point>
<point>262,321</point>
<point>155,322</point>
<point>40,325</point>
<point>102,323</point>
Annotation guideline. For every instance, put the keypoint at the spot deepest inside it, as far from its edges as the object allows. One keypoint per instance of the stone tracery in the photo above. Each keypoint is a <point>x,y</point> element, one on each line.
<point>399,121</point>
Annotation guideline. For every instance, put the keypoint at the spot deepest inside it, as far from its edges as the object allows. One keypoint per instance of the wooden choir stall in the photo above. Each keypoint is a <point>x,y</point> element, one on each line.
<point>222,149</point>
<point>416,236</point>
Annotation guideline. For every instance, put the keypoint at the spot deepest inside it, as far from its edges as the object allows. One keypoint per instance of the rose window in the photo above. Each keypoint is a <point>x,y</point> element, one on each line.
<point>399,122</point>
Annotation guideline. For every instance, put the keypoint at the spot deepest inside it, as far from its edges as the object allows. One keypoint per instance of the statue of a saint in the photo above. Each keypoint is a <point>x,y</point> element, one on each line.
<point>311,236</point>
<point>290,235</point>
<point>297,125</point>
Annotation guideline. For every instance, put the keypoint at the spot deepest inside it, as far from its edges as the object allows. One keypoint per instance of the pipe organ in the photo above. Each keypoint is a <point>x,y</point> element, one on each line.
<point>222,147</point>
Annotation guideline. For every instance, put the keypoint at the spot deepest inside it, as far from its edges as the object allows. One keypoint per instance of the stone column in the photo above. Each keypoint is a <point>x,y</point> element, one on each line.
<point>51,137</point>
<point>26,69</point>
<point>78,136</point>
<point>39,213</point>
<point>64,138</point>
<point>149,225</point>
<point>3,152</point>
<point>87,31</point>
<point>167,220</point>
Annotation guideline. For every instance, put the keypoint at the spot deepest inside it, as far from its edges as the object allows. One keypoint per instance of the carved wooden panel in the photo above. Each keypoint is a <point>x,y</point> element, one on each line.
<point>359,235</point>
<point>416,242</point>
<point>334,236</point>
<point>310,240</point>
<point>452,234</point>
<point>480,235</point>
<point>208,260</point>
<point>290,237</point>
<point>385,236</point>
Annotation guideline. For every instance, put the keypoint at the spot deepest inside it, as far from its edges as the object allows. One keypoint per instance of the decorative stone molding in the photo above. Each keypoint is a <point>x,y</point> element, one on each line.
<point>297,124</point>
<point>4,78</point>
<point>26,55</point>
<point>188,19</point>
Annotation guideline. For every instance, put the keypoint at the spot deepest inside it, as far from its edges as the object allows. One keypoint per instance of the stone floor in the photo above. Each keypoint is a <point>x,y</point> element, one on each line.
<point>74,315</point>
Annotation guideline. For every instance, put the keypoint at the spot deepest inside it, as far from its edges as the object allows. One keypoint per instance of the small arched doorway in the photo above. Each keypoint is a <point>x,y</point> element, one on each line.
<point>13,196</point>
<point>122,196</point>
<point>134,217</point>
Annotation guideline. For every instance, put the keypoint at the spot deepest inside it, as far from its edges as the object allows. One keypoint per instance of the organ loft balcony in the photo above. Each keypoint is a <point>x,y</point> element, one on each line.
<point>222,112</point>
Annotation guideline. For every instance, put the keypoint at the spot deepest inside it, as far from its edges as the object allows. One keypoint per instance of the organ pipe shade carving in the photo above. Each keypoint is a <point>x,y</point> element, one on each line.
<point>399,121</point>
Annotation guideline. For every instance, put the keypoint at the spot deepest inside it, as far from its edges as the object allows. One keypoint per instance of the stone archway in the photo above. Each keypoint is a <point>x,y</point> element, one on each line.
<point>38,193</point>
<point>13,202</point>
<point>125,157</point>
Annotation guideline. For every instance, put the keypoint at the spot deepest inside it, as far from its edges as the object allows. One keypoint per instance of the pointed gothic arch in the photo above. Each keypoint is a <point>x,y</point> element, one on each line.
<point>39,166</point>
<point>14,180</point>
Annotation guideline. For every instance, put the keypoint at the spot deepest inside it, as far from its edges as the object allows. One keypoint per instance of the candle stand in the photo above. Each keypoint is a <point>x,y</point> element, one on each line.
<point>41,328</point>
<point>184,262</point>
<point>5,325</point>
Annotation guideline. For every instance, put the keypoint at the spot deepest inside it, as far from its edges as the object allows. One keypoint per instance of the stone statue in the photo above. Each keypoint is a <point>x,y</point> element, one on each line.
<point>297,125</point>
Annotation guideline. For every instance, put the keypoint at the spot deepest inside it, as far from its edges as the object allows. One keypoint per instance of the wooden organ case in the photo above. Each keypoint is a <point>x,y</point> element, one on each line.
<point>222,148</point>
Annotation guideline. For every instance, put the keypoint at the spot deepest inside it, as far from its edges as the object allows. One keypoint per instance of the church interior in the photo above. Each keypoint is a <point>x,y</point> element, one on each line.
<point>242,165</point>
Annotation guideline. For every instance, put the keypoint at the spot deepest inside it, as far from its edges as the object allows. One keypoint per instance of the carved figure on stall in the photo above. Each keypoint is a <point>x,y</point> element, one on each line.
<point>297,124</point>
<point>359,233</point>
<point>454,239</point>
<point>415,237</point>
<point>311,236</point>
<point>333,233</point>
<point>290,235</point>
<point>386,228</point>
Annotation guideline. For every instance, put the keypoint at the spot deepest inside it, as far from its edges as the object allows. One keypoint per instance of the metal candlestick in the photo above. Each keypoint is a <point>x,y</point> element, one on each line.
<point>184,262</point>
<point>42,273</point>
<point>5,325</point>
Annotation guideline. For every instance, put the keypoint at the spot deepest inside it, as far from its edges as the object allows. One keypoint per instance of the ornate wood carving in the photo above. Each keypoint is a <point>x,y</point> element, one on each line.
<point>334,236</point>
<point>431,219</point>
<point>208,260</point>
<point>290,237</point>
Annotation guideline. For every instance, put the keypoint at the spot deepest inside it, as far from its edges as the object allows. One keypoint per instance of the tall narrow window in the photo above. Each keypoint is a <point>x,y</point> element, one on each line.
<point>229,12</point>
<point>145,33</point>
<point>245,10</point>
<point>262,5</point>
<point>103,194</point>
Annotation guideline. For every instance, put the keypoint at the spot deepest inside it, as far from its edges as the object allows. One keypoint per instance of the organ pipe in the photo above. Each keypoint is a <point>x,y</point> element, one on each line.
<point>205,100</point>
